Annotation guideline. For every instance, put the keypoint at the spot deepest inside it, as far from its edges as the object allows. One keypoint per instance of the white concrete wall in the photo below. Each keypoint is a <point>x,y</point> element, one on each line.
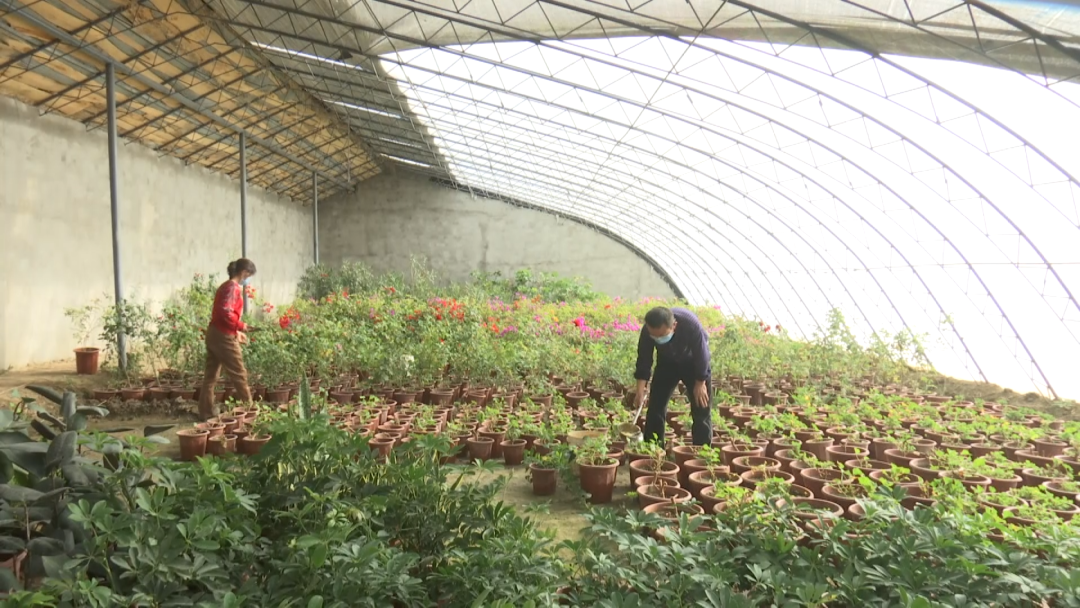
<point>399,214</point>
<point>55,236</point>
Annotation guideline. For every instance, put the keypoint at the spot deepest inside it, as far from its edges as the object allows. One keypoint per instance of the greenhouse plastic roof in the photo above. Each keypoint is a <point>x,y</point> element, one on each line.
<point>912,164</point>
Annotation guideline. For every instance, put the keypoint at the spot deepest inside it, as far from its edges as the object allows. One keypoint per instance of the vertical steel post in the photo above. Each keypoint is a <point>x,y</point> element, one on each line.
<point>114,199</point>
<point>315,212</point>
<point>243,206</point>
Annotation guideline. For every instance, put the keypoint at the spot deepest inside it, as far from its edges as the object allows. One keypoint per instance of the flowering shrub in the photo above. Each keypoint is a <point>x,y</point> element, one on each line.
<point>472,331</point>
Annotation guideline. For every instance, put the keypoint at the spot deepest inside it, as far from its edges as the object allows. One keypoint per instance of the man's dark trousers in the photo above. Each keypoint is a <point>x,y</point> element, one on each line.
<point>664,381</point>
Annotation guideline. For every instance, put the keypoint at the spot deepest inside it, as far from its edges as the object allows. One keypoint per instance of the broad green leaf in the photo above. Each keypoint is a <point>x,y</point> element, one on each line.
<point>10,545</point>
<point>45,546</point>
<point>78,423</point>
<point>68,406</point>
<point>8,582</point>
<point>7,469</point>
<point>50,394</point>
<point>92,410</point>
<point>155,429</point>
<point>315,602</point>
<point>19,494</point>
<point>62,449</point>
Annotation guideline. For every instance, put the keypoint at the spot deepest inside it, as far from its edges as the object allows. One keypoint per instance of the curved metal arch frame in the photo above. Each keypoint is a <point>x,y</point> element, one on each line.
<point>972,3</point>
<point>986,200</point>
<point>844,243</point>
<point>215,128</point>
<point>755,178</point>
<point>1048,266</point>
<point>575,85</point>
<point>795,202</point>
<point>512,32</point>
<point>282,35</point>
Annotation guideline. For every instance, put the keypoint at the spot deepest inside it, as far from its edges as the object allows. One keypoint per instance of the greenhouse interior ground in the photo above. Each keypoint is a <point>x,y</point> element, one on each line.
<point>434,250</point>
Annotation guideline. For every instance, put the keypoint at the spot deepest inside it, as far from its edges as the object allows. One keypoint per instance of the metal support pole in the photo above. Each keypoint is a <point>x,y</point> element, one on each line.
<point>243,206</point>
<point>114,199</point>
<point>315,212</point>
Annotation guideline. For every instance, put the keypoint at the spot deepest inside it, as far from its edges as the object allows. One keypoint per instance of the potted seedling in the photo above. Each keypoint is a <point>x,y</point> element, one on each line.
<point>596,469</point>
<point>654,466</point>
<point>544,468</point>
<point>513,447</point>
<point>724,495</point>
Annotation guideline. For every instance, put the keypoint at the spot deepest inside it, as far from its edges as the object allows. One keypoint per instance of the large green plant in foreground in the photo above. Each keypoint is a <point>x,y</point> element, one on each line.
<point>316,521</point>
<point>313,521</point>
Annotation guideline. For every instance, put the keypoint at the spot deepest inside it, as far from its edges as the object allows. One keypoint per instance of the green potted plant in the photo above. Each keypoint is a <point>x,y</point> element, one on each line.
<point>544,468</point>
<point>596,469</point>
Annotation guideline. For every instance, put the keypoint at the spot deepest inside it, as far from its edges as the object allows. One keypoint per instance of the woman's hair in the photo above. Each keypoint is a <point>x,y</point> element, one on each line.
<point>241,265</point>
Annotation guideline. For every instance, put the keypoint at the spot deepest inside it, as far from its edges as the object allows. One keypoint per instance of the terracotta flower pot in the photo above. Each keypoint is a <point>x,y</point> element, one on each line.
<point>132,394</point>
<point>543,480</point>
<point>908,480</point>
<point>708,498</point>
<point>496,435</point>
<point>381,445</point>
<point>844,453</point>
<point>866,465</point>
<point>1004,485</point>
<point>834,494</point>
<point>647,467</point>
<point>969,481</point>
<point>699,480</point>
<point>743,464</point>
<point>650,494</point>
<point>86,360</point>
<point>1049,448</point>
<point>278,394</point>
<point>216,429</point>
<point>808,509</point>
<point>878,446</point>
<point>731,452</point>
<point>1055,488</point>
<point>221,444</point>
<point>1032,478</point>
<point>513,451</point>
<point>818,447</point>
<point>598,480</point>
<point>921,467</point>
<point>682,454</point>
<point>252,444</point>
<point>1030,455</point>
<point>815,479</point>
<point>753,477</point>
<point>192,443</point>
<point>480,447</point>
<point>106,395</point>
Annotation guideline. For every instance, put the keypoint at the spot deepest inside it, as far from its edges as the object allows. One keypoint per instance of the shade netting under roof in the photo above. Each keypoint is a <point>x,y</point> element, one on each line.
<point>908,163</point>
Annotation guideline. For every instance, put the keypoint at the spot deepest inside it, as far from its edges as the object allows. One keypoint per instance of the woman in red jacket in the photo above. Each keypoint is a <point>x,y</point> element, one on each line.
<point>224,337</point>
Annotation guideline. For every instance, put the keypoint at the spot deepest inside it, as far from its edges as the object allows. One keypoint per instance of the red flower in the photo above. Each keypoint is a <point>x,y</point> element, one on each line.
<point>284,322</point>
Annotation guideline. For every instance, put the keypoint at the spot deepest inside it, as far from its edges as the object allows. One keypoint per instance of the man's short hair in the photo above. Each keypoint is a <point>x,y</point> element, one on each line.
<point>659,317</point>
